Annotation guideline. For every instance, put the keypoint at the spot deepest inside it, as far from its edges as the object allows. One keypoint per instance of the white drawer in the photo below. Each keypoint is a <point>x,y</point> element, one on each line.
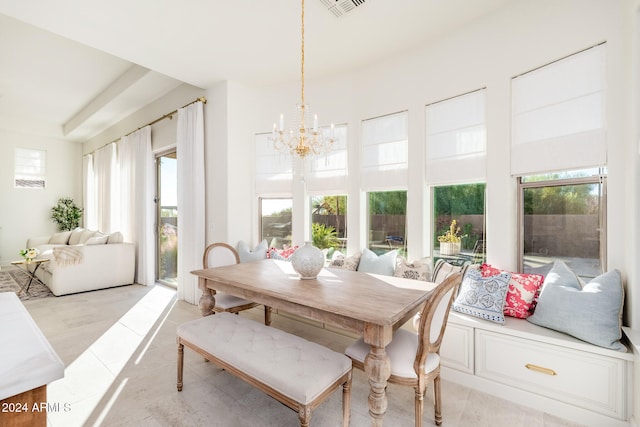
<point>591,381</point>
<point>456,351</point>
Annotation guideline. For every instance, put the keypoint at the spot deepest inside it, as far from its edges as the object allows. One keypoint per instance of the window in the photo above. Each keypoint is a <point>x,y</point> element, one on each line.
<point>275,221</point>
<point>329,222</point>
<point>387,221</point>
<point>30,168</point>
<point>465,205</point>
<point>563,218</point>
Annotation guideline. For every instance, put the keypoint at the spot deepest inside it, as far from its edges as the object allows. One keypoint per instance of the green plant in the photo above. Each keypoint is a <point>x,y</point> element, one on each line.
<point>66,214</point>
<point>452,235</point>
<point>324,236</point>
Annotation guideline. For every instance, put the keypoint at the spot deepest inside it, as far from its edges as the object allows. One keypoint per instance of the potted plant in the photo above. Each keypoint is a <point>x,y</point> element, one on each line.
<point>450,240</point>
<point>66,214</point>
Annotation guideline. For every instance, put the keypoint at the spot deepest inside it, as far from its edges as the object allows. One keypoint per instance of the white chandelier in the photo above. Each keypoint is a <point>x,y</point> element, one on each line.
<point>301,140</point>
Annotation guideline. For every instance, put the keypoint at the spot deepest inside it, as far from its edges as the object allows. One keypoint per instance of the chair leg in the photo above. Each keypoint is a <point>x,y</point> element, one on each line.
<point>180,365</point>
<point>437,400</point>
<point>419,404</point>
<point>267,315</point>
<point>304,415</point>
<point>346,402</point>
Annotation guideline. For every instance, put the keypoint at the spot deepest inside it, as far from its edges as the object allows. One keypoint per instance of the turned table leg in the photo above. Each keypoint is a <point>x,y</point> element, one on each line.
<point>377,366</point>
<point>207,300</point>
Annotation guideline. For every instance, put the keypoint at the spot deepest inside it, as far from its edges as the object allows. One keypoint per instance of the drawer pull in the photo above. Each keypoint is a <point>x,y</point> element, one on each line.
<point>540,369</point>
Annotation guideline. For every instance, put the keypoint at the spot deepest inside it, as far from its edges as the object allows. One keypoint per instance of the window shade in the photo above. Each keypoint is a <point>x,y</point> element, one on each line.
<point>558,115</point>
<point>274,169</point>
<point>327,173</point>
<point>456,139</point>
<point>30,169</point>
<point>385,152</point>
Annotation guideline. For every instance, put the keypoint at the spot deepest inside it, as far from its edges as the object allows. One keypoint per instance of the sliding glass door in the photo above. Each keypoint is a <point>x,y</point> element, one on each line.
<point>167,219</point>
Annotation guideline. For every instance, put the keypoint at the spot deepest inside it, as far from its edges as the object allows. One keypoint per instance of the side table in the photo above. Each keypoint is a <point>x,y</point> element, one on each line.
<point>24,265</point>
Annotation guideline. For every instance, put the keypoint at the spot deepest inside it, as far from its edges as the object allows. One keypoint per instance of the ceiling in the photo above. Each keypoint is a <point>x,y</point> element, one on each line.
<point>72,68</point>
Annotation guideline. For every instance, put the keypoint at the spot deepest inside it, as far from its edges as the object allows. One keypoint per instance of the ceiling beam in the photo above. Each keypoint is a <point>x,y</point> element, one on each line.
<point>117,87</point>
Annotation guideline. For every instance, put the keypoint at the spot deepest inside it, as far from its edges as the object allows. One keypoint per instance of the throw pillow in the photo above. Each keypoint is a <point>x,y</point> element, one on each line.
<point>76,234</point>
<point>482,297</point>
<point>416,270</point>
<point>281,254</point>
<point>592,313</point>
<point>97,239</point>
<point>115,237</point>
<point>523,289</point>
<point>248,255</point>
<point>86,235</point>
<point>443,269</point>
<point>339,260</point>
<point>60,238</point>
<point>384,264</point>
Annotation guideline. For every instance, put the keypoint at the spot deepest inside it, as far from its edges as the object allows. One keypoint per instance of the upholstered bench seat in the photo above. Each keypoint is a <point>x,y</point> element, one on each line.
<point>299,373</point>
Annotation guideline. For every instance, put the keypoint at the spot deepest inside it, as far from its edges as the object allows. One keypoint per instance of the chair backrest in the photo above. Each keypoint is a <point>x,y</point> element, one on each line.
<point>219,254</point>
<point>433,319</point>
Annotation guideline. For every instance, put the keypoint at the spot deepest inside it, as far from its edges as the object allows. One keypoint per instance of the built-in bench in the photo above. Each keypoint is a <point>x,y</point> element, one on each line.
<point>540,368</point>
<point>296,372</point>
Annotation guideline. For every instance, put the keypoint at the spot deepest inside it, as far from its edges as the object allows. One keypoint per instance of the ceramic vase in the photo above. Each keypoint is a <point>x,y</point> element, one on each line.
<point>307,261</point>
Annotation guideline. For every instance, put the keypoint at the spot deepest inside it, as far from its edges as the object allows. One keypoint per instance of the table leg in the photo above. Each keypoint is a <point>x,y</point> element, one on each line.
<point>32,276</point>
<point>207,300</point>
<point>377,366</point>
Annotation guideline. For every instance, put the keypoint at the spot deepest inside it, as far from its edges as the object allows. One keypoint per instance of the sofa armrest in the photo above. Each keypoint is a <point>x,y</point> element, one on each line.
<point>32,242</point>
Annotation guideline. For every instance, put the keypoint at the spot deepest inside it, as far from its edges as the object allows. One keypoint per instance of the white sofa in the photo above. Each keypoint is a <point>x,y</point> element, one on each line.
<point>84,260</point>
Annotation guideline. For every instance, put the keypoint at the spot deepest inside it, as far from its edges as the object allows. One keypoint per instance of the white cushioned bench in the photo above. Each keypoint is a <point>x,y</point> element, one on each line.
<point>298,373</point>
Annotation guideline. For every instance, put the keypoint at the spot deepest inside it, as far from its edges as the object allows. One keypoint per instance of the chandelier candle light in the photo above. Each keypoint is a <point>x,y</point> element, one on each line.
<point>300,140</point>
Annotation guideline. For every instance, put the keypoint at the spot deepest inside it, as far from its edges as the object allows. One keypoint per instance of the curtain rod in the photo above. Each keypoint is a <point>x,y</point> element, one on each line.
<point>153,122</point>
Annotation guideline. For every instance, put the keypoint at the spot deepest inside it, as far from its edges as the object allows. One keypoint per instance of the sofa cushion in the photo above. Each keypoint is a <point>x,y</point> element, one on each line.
<point>76,234</point>
<point>61,238</point>
<point>443,269</point>
<point>281,254</point>
<point>247,254</point>
<point>86,235</point>
<point>592,313</point>
<point>384,264</point>
<point>482,297</point>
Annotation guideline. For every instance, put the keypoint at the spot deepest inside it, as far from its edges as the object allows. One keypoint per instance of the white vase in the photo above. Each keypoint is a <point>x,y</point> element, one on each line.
<point>307,261</point>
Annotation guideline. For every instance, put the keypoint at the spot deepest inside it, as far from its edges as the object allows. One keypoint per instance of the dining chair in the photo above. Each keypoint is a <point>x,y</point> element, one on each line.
<point>221,254</point>
<point>415,358</point>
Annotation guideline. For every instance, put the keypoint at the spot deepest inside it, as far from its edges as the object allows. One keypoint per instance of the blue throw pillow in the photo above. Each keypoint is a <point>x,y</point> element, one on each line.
<point>384,264</point>
<point>248,255</point>
<point>592,313</point>
<point>482,297</point>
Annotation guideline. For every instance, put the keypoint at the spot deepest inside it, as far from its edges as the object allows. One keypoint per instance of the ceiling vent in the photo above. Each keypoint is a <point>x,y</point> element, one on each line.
<point>340,7</point>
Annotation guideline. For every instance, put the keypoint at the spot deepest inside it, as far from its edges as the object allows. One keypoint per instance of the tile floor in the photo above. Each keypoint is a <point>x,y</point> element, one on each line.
<point>119,349</point>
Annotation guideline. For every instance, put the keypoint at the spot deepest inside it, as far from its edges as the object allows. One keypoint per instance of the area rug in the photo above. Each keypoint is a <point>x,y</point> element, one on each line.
<point>12,280</point>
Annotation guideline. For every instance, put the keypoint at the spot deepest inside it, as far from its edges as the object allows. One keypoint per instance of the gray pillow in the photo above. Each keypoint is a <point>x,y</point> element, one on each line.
<point>592,313</point>
<point>384,264</point>
<point>247,254</point>
<point>482,297</point>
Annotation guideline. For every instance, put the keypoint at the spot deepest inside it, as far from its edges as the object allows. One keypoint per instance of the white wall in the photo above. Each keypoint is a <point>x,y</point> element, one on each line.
<point>25,212</point>
<point>488,53</point>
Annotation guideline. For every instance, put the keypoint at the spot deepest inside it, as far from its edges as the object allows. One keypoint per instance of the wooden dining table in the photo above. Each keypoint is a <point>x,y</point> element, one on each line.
<point>368,304</point>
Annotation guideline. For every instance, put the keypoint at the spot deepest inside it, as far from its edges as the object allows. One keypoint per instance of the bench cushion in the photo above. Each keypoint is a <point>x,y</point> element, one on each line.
<point>295,367</point>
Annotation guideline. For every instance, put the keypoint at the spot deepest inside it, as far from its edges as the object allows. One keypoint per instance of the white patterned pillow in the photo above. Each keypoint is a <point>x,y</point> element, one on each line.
<point>415,270</point>
<point>338,260</point>
<point>482,297</point>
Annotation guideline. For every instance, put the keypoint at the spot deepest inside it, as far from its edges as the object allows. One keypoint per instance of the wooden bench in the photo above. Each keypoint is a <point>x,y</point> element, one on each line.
<point>296,372</point>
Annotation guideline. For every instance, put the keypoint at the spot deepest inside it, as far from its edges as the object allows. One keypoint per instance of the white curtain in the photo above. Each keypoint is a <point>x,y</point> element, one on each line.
<point>456,139</point>
<point>136,211</point>
<point>104,167</point>
<point>385,145</point>
<point>191,194</point>
<point>90,211</point>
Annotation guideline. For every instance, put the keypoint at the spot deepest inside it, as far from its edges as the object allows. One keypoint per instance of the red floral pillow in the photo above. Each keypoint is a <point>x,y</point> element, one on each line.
<point>522,293</point>
<point>281,254</point>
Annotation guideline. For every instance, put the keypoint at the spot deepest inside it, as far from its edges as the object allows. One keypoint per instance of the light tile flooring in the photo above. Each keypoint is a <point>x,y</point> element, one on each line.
<point>119,349</point>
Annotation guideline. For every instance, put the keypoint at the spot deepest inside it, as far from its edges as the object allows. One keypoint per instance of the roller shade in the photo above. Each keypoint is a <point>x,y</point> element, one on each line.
<point>274,169</point>
<point>385,152</point>
<point>327,173</point>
